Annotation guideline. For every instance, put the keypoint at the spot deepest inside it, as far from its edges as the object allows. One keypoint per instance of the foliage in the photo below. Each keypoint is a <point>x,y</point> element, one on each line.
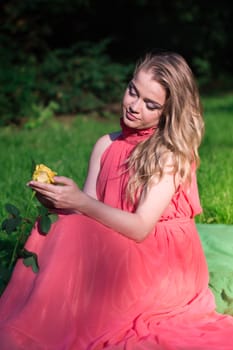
<point>199,29</point>
<point>79,79</point>
<point>60,144</point>
<point>66,145</point>
<point>40,115</point>
<point>20,227</point>
<point>57,52</point>
<point>17,82</point>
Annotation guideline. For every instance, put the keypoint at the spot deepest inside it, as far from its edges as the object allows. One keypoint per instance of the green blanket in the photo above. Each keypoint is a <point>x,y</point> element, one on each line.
<point>217,241</point>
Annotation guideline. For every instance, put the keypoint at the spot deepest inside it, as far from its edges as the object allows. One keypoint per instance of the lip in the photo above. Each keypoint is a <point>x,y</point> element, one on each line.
<point>130,116</point>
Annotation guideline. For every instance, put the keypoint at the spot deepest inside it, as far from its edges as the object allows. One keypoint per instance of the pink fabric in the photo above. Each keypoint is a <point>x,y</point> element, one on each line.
<point>97,289</point>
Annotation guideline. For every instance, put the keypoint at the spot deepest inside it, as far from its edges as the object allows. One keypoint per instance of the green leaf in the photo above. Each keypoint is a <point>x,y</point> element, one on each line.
<point>11,209</point>
<point>4,274</point>
<point>30,260</point>
<point>53,217</point>
<point>42,210</point>
<point>10,225</point>
<point>44,224</point>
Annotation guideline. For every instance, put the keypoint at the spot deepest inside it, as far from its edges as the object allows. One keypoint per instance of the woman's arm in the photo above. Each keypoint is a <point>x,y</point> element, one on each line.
<point>93,171</point>
<point>136,226</point>
<point>94,163</point>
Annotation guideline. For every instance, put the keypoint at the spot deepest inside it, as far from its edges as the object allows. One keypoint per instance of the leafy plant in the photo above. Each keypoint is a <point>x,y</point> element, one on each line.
<point>20,226</point>
<point>40,115</point>
<point>81,78</point>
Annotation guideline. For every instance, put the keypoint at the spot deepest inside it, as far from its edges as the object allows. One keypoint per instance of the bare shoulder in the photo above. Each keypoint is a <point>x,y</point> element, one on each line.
<point>104,141</point>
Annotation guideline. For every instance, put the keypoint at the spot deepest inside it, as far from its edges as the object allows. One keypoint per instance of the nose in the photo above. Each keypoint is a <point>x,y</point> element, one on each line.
<point>134,107</point>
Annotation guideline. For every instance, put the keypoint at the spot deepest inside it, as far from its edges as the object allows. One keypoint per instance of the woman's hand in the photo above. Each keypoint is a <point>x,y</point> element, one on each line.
<point>46,203</point>
<point>63,194</point>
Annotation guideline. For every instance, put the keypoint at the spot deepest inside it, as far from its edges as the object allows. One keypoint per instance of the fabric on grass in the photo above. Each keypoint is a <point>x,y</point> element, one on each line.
<point>217,241</point>
<point>97,289</point>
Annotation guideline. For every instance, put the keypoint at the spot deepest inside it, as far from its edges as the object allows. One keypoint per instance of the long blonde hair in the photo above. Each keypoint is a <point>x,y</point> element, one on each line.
<point>180,129</point>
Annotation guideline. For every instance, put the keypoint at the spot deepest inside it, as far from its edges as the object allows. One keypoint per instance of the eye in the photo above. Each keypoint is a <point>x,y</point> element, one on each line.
<point>152,106</point>
<point>132,90</point>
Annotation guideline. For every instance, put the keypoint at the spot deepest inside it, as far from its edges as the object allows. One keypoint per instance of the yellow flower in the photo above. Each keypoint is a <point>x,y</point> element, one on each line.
<point>43,174</point>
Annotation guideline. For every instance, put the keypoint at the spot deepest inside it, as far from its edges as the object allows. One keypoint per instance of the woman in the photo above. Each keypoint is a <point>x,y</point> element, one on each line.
<point>125,270</point>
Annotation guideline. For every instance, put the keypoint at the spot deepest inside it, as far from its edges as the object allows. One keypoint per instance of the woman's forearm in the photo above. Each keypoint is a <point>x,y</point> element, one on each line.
<point>131,225</point>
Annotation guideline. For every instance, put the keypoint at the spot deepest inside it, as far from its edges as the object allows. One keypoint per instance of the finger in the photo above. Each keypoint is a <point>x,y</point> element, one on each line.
<point>37,184</point>
<point>62,180</point>
<point>41,187</point>
<point>44,200</point>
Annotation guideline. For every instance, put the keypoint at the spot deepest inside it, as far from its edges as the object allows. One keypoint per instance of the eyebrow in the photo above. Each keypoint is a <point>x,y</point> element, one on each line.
<point>147,100</point>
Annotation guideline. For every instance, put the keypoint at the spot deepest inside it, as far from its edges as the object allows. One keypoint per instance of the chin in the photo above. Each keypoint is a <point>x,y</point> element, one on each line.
<point>130,123</point>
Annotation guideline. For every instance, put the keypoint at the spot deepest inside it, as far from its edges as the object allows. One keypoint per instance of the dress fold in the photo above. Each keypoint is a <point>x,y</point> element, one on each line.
<point>97,289</point>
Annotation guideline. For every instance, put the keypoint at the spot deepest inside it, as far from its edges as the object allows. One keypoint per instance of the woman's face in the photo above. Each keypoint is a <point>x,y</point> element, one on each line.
<point>143,101</point>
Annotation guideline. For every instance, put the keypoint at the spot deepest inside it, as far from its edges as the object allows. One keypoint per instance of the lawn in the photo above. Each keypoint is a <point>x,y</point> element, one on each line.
<point>215,175</point>
<point>64,144</point>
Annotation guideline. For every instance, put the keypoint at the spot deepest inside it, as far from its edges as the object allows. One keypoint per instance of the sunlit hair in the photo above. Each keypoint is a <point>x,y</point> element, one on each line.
<point>180,129</point>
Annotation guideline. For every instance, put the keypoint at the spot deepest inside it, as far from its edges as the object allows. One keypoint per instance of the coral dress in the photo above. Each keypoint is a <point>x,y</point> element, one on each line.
<point>97,289</point>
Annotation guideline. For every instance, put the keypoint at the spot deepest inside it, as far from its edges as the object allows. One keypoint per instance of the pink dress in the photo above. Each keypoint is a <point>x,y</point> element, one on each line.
<point>97,289</point>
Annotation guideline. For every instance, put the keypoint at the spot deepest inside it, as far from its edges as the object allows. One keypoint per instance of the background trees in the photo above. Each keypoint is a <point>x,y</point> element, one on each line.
<point>78,53</point>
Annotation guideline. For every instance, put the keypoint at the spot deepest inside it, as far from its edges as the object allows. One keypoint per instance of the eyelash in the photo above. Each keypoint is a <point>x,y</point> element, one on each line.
<point>132,92</point>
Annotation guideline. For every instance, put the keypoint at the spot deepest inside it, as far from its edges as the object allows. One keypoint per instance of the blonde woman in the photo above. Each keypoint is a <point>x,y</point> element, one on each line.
<point>125,269</point>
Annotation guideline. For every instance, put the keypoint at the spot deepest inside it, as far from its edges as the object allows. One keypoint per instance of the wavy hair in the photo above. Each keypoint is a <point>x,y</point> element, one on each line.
<point>180,128</point>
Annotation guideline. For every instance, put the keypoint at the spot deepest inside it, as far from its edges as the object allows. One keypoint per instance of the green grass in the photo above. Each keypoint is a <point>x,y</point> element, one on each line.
<point>215,175</point>
<point>63,146</point>
<point>66,146</point>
